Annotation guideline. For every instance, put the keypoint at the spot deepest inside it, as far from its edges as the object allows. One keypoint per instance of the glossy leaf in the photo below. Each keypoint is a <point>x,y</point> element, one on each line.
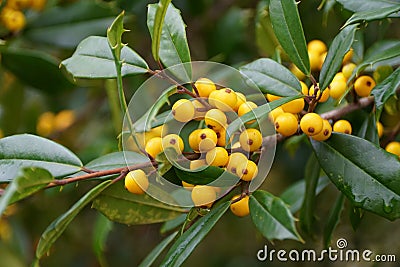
<point>366,5</point>
<point>289,31</point>
<point>311,176</point>
<point>208,175</point>
<point>333,219</point>
<point>365,173</point>
<point>93,59</point>
<point>25,150</point>
<point>102,229</point>
<point>333,61</point>
<point>257,113</point>
<point>57,227</point>
<point>293,196</point>
<point>152,256</point>
<point>65,26</point>
<point>272,217</point>
<point>265,36</point>
<point>27,182</point>
<point>368,129</point>
<point>118,205</point>
<point>370,15</point>
<point>116,160</point>
<point>387,88</point>
<point>173,47</point>
<point>158,23</point>
<point>145,123</point>
<point>271,77</point>
<point>43,73</point>
<point>188,241</point>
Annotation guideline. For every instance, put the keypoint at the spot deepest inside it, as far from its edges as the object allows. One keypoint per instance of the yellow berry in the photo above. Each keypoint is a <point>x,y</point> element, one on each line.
<point>234,160</point>
<point>342,126</point>
<point>204,87</point>
<point>173,141</point>
<point>286,124</point>
<point>187,186</point>
<point>196,164</point>
<point>348,56</point>
<point>338,88</point>
<point>247,171</point>
<point>273,114</point>
<point>311,124</point>
<point>241,98</point>
<point>45,124</point>
<point>183,110</point>
<point>154,146</point>
<point>379,128</point>
<point>325,93</point>
<point>317,46</point>
<point>136,182</point>
<point>13,20</point>
<point>245,108</point>
<point>348,69</point>
<point>224,99</point>
<point>294,106</point>
<point>215,119</point>
<point>217,156</point>
<point>339,76</point>
<point>203,195</point>
<point>250,140</point>
<point>63,120</point>
<point>38,5</point>
<point>272,98</point>
<point>325,133</point>
<point>236,145</point>
<point>18,4</point>
<point>393,147</point>
<point>304,88</point>
<point>221,137</point>
<point>240,207</point>
<point>315,60</point>
<point>364,85</point>
<point>322,58</point>
<point>297,72</point>
<point>194,139</point>
<point>207,139</point>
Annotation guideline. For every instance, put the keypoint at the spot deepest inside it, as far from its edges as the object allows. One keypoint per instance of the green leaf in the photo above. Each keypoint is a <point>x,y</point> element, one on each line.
<point>159,11</point>
<point>355,216</point>
<point>311,176</point>
<point>116,160</point>
<point>333,219</point>
<point>289,31</point>
<point>368,129</point>
<point>152,256</point>
<point>118,205</point>
<point>365,173</point>
<point>65,26</point>
<point>257,113</point>
<point>114,35</point>
<point>265,36</point>
<point>207,175</point>
<point>57,227</point>
<point>272,217</point>
<point>101,230</point>
<point>383,91</point>
<point>145,123</point>
<point>169,38</point>
<point>172,224</point>
<point>339,47</point>
<point>293,196</point>
<point>27,182</point>
<point>187,242</point>
<point>366,5</point>
<point>25,150</point>
<point>370,15</point>
<point>271,77</point>
<point>43,73</point>
<point>93,59</point>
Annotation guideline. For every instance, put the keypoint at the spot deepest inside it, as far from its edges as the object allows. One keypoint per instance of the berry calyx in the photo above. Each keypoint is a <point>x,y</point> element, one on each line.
<point>342,126</point>
<point>204,87</point>
<point>240,207</point>
<point>311,124</point>
<point>286,124</point>
<point>250,140</point>
<point>136,182</point>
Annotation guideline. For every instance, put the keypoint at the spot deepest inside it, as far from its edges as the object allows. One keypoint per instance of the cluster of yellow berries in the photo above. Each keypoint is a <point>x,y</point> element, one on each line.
<point>212,108</point>
<point>12,15</point>
<point>49,122</point>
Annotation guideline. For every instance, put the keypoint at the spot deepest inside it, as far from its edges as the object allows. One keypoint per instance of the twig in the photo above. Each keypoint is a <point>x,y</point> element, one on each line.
<point>338,113</point>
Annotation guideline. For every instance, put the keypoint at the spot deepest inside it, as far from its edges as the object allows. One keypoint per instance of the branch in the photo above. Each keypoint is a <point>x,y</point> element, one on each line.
<point>338,113</point>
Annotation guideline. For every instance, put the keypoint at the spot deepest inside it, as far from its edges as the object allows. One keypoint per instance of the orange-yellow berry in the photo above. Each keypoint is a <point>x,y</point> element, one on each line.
<point>240,207</point>
<point>183,110</point>
<point>250,140</point>
<point>311,124</point>
<point>394,148</point>
<point>286,124</point>
<point>325,133</point>
<point>203,195</point>
<point>364,85</point>
<point>136,182</point>
<point>154,146</point>
<point>204,87</point>
<point>215,119</point>
<point>247,171</point>
<point>217,156</point>
<point>342,126</point>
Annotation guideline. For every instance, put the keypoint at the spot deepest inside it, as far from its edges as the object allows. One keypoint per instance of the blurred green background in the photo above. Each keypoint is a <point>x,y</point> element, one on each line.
<point>80,116</point>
